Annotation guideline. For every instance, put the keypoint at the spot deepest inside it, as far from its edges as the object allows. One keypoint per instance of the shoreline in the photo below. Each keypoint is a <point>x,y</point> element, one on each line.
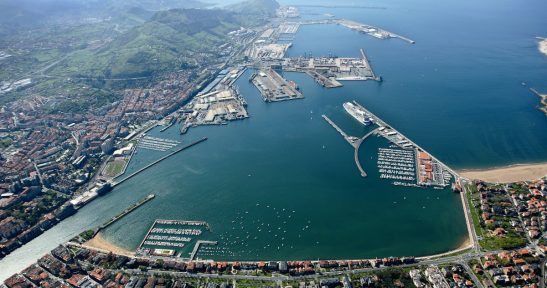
<point>507,174</point>
<point>98,242</point>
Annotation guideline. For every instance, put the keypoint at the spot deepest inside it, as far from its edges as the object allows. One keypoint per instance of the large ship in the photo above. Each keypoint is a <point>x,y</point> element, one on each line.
<point>358,113</point>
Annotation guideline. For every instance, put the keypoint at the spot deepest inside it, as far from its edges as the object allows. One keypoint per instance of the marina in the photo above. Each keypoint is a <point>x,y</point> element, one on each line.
<point>409,165</point>
<point>397,164</point>
<point>429,172</point>
<point>158,144</point>
<point>170,238</point>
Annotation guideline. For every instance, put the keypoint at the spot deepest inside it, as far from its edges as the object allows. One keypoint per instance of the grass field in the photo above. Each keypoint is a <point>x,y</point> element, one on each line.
<point>114,168</point>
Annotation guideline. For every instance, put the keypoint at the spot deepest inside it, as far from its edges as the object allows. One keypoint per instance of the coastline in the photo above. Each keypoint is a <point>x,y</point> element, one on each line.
<point>98,242</point>
<point>507,174</point>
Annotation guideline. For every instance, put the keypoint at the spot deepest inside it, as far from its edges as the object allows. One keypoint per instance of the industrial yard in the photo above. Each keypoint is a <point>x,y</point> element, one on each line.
<point>328,71</point>
<point>275,88</point>
<point>215,108</point>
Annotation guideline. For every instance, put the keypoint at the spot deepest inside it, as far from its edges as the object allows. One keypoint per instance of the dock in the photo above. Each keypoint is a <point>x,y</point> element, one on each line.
<point>158,161</point>
<point>124,213</point>
<point>198,244</point>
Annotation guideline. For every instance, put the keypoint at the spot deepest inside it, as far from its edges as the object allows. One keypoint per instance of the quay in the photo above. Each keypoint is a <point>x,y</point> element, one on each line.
<point>198,244</point>
<point>124,213</point>
<point>158,161</point>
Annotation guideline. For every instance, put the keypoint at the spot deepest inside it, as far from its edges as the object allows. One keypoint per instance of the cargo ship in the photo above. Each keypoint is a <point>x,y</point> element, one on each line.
<point>357,113</point>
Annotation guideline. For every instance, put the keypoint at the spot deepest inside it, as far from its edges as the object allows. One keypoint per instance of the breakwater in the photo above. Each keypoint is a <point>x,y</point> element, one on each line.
<point>158,161</point>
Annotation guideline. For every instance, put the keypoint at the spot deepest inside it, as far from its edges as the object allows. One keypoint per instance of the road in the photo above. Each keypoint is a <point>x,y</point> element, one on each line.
<point>469,218</point>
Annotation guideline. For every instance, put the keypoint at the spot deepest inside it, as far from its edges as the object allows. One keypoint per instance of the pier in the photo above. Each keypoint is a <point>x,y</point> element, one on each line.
<point>350,139</point>
<point>360,27</point>
<point>124,213</point>
<point>158,161</point>
<point>353,141</point>
<point>536,92</point>
<point>167,126</point>
<point>198,244</point>
<point>367,65</point>
<point>408,143</point>
<point>357,145</point>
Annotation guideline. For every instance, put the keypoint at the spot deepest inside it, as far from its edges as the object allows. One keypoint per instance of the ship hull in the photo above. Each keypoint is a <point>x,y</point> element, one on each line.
<point>357,113</point>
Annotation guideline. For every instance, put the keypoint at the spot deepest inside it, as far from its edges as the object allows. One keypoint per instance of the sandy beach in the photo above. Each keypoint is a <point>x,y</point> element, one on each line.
<point>508,174</point>
<point>98,242</point>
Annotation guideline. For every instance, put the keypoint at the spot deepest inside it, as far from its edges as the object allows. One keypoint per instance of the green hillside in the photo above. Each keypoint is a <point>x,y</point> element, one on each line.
<point>160,44</point>
<point>264,8</point>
